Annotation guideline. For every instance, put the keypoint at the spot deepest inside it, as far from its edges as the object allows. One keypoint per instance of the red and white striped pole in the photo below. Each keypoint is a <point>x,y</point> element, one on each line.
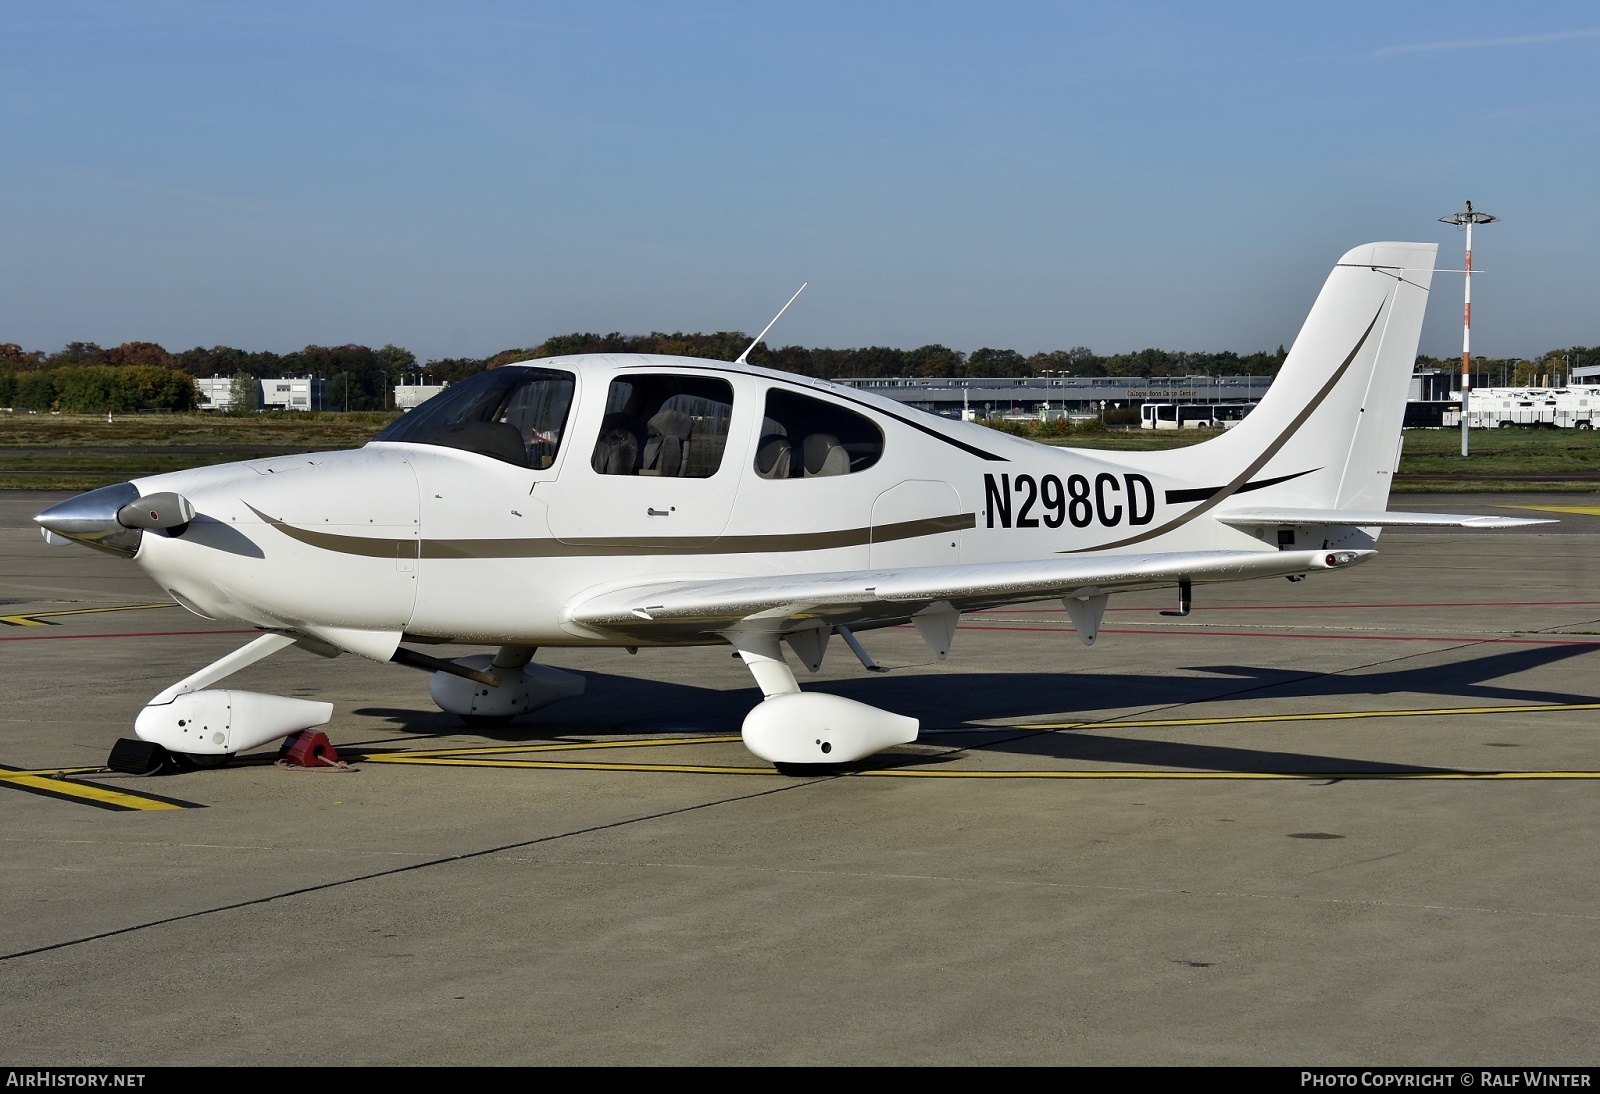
<point>1467,220</point>
<point>1466,340</point>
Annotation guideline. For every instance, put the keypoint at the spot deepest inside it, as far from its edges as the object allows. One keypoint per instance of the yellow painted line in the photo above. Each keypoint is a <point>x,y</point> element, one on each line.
<point>1585,510</point>
<point>40,619</point>
<point>1302,775</point>
<point>88,793</point>
<point>1329,716</point>
<point>45,773</point>
<point>485,756</point>
<point>564,765</point>
<point>928,773</point>
<point>572,746</point>
<point>499,756</point>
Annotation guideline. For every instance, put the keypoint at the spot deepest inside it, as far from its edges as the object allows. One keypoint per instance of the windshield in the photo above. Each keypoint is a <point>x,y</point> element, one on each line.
<point>512,414</point>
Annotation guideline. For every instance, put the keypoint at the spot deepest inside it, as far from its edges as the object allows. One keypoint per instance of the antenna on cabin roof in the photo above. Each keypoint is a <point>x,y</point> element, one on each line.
<point>740,360</point>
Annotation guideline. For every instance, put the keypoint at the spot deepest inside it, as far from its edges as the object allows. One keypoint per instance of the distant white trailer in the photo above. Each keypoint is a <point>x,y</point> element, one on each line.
<point>1530,408</point>
<point>1577,408</point>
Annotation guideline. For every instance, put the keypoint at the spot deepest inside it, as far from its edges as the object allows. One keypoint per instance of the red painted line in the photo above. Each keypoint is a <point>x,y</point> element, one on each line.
<point>130,634</point>
<point>1333,637</point>
<point>1322,607</point>
<point>1420,604</point>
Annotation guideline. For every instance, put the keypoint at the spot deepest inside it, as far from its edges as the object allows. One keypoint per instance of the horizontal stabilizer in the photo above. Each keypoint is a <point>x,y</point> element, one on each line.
<point>1374,518</point>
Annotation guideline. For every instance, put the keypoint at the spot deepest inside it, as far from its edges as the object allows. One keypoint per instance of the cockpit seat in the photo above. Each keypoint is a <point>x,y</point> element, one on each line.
<point>666,445</point>
<point>824,455</point>
<point>774,457</point>
<point>616,450</point>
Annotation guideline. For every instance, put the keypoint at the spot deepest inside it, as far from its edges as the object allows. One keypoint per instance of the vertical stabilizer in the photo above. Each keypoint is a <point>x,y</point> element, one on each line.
<point>1327,433</point>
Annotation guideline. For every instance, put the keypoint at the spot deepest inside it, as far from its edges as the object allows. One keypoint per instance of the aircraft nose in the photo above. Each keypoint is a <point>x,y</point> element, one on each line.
<point>91,519</point>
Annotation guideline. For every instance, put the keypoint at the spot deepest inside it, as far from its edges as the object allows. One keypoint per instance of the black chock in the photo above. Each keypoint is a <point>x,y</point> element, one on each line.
<point>134,757</point>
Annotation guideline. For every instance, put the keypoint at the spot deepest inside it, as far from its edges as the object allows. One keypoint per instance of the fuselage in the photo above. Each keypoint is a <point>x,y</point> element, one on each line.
<point>483,514</point>
<point>642,500</point>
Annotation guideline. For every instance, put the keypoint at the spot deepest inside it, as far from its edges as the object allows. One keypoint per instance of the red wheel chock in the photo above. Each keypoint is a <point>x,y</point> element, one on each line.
<point>310,748</point>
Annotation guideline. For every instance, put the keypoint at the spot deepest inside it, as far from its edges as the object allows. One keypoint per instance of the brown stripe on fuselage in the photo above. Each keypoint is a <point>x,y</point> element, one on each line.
<point>597,547</point>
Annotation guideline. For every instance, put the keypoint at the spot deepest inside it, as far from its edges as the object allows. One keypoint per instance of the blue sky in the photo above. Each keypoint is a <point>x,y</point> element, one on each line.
<point>461,178</point>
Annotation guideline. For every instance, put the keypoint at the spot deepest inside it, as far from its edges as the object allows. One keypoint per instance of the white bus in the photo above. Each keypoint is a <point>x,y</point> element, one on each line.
<point>1192,415</point>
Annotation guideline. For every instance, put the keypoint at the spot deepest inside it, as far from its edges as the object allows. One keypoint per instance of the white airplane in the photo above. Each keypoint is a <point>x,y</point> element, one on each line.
<point>638,500</point>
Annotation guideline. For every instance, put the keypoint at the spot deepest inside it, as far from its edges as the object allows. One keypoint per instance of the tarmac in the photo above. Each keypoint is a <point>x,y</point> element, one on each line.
<point>1346,821</point>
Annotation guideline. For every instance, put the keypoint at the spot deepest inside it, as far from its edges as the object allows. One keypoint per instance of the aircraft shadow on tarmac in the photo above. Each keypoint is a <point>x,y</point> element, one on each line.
<point>950,701</point>
<point>947,699</point>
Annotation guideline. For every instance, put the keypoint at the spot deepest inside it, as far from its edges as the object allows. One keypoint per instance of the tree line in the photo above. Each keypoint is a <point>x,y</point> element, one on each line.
<point>83,377</point>
<point>1549,368</point>
<point>924,361</point>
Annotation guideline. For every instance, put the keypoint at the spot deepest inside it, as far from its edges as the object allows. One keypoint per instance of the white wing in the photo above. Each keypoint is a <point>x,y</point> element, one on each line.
<point>860,598</point>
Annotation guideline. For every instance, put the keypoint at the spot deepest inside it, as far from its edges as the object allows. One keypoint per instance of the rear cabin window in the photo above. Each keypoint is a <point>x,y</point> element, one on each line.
<point>670,426</point>
<point>512,414</point>
<point>806,438</point>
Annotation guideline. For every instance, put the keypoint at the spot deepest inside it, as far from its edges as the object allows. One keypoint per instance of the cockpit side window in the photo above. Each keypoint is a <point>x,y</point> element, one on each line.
<point>806,438</point>
<point>512,414</point>
<point>671,426</point>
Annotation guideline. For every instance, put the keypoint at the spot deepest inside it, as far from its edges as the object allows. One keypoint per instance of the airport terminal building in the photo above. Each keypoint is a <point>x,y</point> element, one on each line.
<point>1056,397</point>
<point>965,397</point>
<point>1089,396</point>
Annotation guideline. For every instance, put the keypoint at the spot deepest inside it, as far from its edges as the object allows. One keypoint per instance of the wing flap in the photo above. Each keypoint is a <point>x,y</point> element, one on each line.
<point>893,593</point>
<point>1369,518</point>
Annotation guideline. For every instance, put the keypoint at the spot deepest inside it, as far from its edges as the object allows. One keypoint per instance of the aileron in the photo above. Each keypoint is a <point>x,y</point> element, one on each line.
<point>1242,518</point>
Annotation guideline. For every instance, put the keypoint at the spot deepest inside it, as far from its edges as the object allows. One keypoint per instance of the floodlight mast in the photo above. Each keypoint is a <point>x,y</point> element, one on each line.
<point>1467,220</point>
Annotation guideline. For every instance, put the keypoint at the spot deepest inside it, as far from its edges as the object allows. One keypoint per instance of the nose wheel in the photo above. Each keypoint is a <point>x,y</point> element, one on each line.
<point>194,761</point>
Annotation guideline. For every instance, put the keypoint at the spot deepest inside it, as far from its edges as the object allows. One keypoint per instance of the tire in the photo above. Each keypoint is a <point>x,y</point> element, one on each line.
<point>198,761</point>
<point>807,771</point>
<point>1506,425</point>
